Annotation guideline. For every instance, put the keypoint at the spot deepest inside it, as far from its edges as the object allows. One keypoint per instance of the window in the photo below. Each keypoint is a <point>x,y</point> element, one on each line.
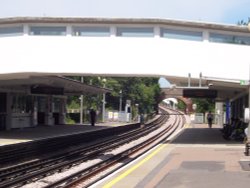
<point>21,104</point>
<point>47,30</point>
<point>11,31</point>
<point>91,31</point>
<point>181,34</point>
<point>232,39</point>
<point>135,32</point>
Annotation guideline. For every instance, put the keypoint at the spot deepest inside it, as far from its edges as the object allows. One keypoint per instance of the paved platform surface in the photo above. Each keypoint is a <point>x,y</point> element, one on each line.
<point>198,158</point>
<point>40,132</point>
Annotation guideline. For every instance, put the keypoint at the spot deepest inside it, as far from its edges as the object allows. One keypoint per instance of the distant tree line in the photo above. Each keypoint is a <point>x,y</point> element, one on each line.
<point>144,94</point>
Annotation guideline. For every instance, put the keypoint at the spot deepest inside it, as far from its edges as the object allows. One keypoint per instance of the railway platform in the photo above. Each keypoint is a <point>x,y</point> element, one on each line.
<point>197,157</point>
<point>15,136</point>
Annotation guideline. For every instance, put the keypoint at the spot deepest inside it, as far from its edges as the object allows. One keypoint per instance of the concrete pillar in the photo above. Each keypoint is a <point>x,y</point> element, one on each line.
<point>248,133</point>
<point>9,99</point>
<point>205,36</point>
<point>62,111</point>
<point>157,32</point>
<point>49,120</point>
<point>68,31</point>
<point>112,31</point>
<point>219,113</point>
<point>26,29</point>
<point>228,112</point>
<point>81,106</point>
<point>35,112</point>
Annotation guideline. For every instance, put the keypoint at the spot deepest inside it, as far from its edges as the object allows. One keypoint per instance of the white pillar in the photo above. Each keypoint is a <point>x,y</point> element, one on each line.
<point>26,29</point>
<point>219,112</point>
<point>35,112</point>
<point>81,106</point>
<point>112,31</point>
<point>103,106</point>
<point>205,36</point>
<point>248,134</point>
<point>103,100</point>
<point>49,114</point>
<point>68,31</point>
<point>157,32</point>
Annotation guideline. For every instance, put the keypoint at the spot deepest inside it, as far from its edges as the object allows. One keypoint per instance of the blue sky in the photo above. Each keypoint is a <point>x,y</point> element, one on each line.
<point>219,11</point>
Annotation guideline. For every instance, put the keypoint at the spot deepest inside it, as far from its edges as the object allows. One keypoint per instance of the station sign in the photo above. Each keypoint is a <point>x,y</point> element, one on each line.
<point>244,82</point>
<point>199,93</point>
<point>47,90</point>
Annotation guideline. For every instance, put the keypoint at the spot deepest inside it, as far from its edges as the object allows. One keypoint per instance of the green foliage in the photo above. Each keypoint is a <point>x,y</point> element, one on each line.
<point>181,105</point>
<point>73,102</point>
<point>142,91</point>
<point>69,120</point>
<point>204,105</point>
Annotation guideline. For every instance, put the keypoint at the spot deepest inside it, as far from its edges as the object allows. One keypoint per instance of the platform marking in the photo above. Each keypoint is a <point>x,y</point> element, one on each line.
<point>133,168</point>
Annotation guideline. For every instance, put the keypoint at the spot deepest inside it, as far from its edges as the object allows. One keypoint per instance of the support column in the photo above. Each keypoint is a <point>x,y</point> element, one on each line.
<point>248,133</point>
<point>228,112</point>
<point>9,99</point>
<point>219,113</point>
<point>35,111</point>
<point>81,106</point>
<point>49,120</point>
<point>62,112</point>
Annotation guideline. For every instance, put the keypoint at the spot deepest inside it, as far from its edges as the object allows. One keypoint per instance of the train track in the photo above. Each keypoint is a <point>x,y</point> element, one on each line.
<point>17,176</point>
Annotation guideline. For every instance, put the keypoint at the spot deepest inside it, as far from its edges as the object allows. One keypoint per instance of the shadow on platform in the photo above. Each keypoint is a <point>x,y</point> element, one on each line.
<point>41,132</point>
<point>203,136</point>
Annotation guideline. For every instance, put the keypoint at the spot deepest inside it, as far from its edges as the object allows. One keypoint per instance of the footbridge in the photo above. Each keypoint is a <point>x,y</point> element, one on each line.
<point>124,47</point>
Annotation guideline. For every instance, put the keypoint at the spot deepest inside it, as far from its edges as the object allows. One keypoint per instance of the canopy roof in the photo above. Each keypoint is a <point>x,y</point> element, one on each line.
<point>69,86</point>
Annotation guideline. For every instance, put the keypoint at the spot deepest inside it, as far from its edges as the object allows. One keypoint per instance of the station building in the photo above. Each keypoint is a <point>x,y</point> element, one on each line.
<point>36,100</point>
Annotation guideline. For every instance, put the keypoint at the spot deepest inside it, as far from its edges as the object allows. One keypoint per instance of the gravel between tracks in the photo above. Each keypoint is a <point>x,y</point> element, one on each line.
<point>54,177</point>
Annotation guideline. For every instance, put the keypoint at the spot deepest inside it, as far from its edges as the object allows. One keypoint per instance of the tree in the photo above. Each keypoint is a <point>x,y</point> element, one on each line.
<point>204,105</point>
<point>142,91</point>
<point>145,92</point>
<point>243,22</point>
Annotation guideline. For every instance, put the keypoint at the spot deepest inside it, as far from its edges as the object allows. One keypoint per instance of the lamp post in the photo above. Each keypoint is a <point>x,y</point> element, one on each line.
<point>120,104</point>
<point>103,100</point>
<point>248,133</point>
<point>81,106</point>
<point>137,112</point>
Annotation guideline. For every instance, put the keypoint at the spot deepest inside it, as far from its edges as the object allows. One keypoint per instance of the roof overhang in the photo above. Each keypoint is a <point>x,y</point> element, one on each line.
<point>227,89</point>
<point>146,21</point>
<point>69,86</point>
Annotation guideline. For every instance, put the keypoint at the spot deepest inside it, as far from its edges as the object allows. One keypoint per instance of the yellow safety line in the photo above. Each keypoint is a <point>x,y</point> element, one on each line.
<point>126,173</point>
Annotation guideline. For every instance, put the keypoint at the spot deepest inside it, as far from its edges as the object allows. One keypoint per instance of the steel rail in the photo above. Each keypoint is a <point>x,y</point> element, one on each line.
<point>58,166</point>
<point>82,175</point>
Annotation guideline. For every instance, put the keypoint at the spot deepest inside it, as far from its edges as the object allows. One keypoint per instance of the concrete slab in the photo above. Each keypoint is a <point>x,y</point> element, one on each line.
<point>40,132</point>
<point>198,157</point>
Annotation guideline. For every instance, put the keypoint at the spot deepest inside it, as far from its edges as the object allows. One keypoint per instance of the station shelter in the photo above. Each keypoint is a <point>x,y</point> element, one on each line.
<point>38,100</point>
<point>231,97</point>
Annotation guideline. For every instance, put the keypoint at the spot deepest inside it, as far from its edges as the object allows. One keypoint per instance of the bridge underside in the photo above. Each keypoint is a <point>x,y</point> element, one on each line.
<point>226,89</point>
